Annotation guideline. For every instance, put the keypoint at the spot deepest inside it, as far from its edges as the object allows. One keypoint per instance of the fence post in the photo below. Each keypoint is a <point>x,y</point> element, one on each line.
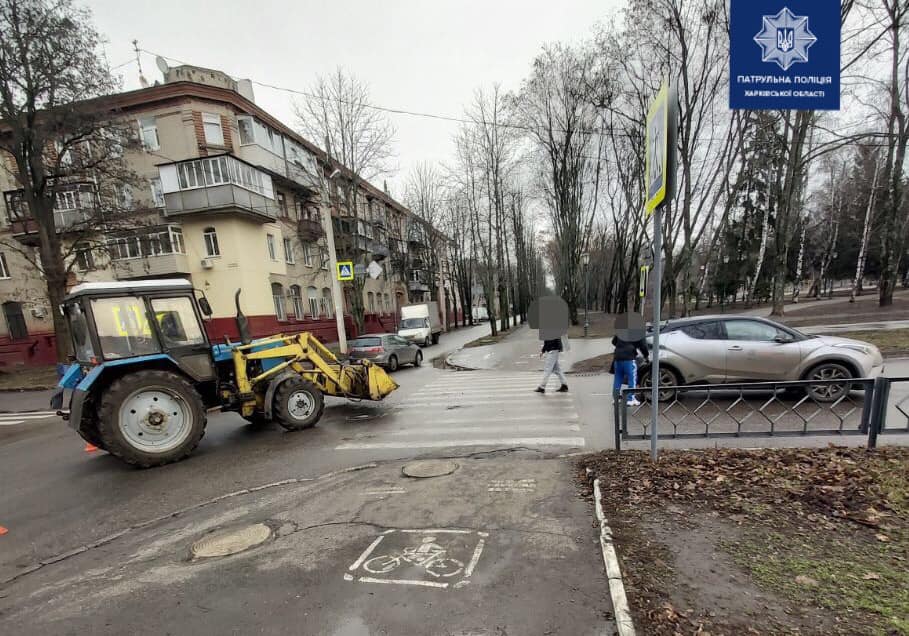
<point>618,425</point>
<point>879,402</point>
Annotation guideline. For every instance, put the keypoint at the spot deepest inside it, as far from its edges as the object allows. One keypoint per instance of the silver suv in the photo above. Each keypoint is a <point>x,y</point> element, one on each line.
<point>726,349</point>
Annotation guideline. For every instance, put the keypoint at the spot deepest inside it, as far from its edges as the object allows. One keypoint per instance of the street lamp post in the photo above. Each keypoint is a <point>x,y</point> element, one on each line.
<point>585,259</point>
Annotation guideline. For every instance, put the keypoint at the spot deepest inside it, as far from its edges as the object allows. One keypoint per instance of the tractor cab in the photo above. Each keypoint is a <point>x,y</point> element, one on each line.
<point>161,319</point>
<point>145,374</point>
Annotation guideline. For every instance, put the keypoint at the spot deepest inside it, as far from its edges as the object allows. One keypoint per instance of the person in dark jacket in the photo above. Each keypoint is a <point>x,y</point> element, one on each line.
<point>552,349</point>
<point>629,339</point>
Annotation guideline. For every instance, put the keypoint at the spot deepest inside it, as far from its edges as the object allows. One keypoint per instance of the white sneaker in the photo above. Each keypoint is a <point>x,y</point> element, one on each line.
<point>633,402</point>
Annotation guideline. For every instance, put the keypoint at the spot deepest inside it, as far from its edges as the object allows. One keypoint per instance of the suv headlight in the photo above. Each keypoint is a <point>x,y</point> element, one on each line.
<point>854,347</point>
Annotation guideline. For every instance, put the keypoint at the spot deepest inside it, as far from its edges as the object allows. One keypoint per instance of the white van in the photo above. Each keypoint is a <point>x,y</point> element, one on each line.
<point>421,324</point>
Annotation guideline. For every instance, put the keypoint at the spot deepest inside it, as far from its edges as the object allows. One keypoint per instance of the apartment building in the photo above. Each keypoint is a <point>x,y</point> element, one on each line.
<point>228,198</point>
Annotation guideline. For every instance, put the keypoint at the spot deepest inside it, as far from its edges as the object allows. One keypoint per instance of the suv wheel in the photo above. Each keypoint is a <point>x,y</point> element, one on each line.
<point>829,391</point>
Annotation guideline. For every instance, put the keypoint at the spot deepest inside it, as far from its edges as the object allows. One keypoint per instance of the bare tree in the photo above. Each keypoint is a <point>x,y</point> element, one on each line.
<point>359,137</point>
<point>423,195</point>
<point>57,136</point>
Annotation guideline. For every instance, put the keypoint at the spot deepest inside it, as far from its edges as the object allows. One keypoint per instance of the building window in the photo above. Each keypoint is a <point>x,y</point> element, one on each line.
<point>123,249</point>
<point>282,204</point>
<point>288,252</point>
<point>270,242</point>
<point>296,297</point>
<point>85,261</point>
<point>148,133</point>
<point>312,295</point>
<point>15,321</point>
<point>211,242</point>
<point>387,304</point>
<point>247,131</point>
<point>371,302</point>
<point>307,254</point>
<point>327,306</point>
<point>4,268</point>
<point>157,191</point>
<point>323,255</point>
<point>211,124</point>
<point>277,294</point>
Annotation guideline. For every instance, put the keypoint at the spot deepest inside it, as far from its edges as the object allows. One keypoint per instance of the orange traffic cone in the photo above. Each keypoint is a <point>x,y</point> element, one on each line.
<point>90,448</point>
<point>3,531</point>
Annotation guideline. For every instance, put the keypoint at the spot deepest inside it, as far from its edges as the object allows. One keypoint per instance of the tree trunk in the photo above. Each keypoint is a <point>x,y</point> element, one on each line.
<point>863,248</point>
<point>797,288</point>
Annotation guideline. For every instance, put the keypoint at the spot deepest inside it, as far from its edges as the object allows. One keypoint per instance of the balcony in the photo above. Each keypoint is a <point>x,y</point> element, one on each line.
<point>218,185</point>
<point>309,231</point>
<point>154,253</point>
<point>75,206</point>
<point>417,286</point>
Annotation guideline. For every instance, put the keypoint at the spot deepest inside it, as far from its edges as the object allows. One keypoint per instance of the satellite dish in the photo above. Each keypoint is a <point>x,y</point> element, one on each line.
<point>162,64</point>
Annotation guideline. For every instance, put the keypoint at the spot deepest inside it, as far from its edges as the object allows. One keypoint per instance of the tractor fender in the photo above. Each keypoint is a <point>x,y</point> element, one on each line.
<point>277,381</point>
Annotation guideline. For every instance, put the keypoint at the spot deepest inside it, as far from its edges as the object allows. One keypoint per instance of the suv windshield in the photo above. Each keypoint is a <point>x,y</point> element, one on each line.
<point>123,328</point>
<point>413,323</point>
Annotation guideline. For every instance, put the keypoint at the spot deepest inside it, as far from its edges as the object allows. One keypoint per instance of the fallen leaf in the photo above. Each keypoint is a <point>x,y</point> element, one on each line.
<point>883,538</point>
<point>806,580</point>
<point>871,576</point>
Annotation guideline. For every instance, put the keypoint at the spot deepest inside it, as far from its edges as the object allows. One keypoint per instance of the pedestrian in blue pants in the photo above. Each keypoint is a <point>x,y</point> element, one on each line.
<point>624,358</point>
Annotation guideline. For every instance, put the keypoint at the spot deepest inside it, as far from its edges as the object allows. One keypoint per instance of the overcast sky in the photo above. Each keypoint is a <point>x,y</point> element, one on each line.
<point>420,56</point>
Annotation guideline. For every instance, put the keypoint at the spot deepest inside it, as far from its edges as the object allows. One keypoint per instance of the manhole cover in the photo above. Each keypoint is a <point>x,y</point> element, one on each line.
<point>430,468</point>
<point>231,542</point>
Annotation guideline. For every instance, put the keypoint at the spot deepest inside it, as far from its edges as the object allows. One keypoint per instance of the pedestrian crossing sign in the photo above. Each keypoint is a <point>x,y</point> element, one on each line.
<point>345,270</point>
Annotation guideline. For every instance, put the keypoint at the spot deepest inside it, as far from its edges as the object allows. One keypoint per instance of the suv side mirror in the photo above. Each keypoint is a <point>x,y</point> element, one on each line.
<point>782,339</point>
<point>205,307</point>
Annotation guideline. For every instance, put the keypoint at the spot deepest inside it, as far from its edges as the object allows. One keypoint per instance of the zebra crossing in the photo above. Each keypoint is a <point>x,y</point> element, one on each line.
<point>25,417</point>
<point>478,409</point>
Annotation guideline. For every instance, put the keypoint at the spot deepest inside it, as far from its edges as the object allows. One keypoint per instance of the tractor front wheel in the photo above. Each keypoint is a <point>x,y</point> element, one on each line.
<point>298,404</point>
<point>151,418</point>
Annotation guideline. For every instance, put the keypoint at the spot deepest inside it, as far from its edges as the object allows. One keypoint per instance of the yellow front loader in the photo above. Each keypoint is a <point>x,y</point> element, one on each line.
<point>285,377</point>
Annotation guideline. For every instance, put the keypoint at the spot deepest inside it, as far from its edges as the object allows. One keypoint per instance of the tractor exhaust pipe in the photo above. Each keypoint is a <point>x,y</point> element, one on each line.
<point>242,322</point>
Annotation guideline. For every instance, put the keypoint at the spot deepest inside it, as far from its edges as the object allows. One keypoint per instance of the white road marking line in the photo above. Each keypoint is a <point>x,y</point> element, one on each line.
<point>475,558</point>
<point>453,443</point>
<point>457,430</point>
<point>435,531</point>
<point>389,491</point>
<point>522,391</point>
<point>485,380</point>
<point>369,579</point>
<point>11,423</point>
<point>366,553</point>
<point>28,412</point>
<point>26,416</point>
<point>573,417</point>
<point>491,397</point>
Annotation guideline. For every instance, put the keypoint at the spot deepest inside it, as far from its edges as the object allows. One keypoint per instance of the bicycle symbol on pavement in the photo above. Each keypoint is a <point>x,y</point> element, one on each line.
<point>431,558</point>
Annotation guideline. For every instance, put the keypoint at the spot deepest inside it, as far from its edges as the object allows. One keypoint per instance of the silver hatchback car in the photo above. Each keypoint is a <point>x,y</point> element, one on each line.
<point>727,349</point>
<point>387,350</point>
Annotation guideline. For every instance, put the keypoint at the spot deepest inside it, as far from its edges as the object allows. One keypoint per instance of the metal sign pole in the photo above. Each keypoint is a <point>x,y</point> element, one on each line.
<point>657,301</point>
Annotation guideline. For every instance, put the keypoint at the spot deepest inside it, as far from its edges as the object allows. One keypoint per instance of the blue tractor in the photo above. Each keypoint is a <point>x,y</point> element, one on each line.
<point>145,374</point>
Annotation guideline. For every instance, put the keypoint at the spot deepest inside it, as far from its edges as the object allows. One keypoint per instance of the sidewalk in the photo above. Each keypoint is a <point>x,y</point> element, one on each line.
<point>496,547</point>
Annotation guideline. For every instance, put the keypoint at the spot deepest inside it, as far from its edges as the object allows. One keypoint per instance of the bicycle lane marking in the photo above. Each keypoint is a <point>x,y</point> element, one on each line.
<point>429,558</point>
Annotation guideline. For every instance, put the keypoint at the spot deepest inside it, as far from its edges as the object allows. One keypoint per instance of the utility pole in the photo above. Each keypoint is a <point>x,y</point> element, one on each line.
<point>328,228</point>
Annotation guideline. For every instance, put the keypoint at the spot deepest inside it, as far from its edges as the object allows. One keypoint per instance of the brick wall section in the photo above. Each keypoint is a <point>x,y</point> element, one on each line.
<point>200,133</point>
<point>228,132</point>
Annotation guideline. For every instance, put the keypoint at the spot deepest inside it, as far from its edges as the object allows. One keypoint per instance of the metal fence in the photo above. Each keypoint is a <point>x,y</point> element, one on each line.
<point>768,409</point>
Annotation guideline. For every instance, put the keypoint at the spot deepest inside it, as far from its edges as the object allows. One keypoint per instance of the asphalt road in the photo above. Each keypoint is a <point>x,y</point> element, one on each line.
<point>57,498</point>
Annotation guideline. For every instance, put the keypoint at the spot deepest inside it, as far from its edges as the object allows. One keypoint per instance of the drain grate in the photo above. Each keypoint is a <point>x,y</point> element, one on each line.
<point>230,542</point>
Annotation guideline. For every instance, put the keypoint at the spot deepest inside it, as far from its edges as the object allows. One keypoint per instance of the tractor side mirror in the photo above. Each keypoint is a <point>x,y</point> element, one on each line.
<point>205,307</point>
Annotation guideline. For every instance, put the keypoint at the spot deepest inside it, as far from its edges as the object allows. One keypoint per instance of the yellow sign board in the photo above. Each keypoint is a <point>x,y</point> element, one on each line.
<point>656,168</point>
<point>345,270</point>
<point>642,286</point>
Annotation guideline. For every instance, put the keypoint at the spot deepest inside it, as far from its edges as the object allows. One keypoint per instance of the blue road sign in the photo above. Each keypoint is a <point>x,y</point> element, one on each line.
<point>784,54</point>
<point>345,270</point>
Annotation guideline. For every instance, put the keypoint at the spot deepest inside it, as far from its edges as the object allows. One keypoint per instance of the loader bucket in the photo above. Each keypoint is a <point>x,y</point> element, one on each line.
<point>380,383</point>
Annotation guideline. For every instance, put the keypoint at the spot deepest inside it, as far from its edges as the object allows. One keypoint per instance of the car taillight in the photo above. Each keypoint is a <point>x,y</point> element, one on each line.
<point>374,349</point>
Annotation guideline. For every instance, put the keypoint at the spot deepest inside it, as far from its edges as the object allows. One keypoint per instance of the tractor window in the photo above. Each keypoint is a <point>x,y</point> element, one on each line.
<point>123,328</point>
<point>177,321</point>
<point>78,326</point>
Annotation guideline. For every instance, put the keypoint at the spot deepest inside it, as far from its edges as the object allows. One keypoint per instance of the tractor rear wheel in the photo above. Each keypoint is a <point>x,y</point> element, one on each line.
<point>298,404</point>
<point>151,418</point>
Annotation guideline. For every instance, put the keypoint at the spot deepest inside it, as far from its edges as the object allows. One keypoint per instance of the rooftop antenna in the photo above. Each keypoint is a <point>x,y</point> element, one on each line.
<point>142,81</point>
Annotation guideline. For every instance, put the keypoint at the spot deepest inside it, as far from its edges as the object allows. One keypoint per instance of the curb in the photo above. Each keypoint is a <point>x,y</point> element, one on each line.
<point>623,620</point>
